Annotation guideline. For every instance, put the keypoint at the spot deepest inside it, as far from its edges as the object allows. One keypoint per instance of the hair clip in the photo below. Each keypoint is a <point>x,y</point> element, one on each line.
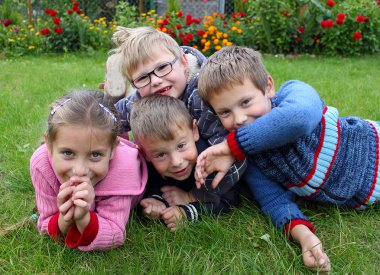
<point>52,112</point>
<point>108,111</point>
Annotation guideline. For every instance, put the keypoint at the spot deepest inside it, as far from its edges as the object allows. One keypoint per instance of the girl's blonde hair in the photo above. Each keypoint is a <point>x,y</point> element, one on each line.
<point>83,107</point>
<point>159,117</point>
<point>230,66</point>
<point>136,45</point>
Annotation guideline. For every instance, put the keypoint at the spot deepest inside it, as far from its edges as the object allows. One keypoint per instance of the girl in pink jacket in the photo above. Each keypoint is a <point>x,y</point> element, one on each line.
<point>86,178</point>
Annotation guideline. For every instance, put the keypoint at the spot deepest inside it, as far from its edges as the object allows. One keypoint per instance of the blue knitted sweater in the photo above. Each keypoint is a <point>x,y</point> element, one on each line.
<point>302,147</point>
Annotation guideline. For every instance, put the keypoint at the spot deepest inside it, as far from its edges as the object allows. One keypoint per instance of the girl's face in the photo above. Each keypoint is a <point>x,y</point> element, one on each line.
<point>81,151</point>
<point>172,84</point>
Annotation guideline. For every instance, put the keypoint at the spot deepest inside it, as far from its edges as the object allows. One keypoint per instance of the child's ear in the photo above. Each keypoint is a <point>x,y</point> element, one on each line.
<point>184,60</point>
<point>195,130</point>
<point>269,93</point>
<point>114,146</point>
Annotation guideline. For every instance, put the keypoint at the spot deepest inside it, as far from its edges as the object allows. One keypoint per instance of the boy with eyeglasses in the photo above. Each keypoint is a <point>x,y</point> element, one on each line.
<point>154,63</point>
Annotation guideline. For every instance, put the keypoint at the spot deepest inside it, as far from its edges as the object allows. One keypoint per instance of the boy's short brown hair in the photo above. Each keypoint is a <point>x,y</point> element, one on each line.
<point>230,66</point>
<point>135,46</point>
<point>158,117</point>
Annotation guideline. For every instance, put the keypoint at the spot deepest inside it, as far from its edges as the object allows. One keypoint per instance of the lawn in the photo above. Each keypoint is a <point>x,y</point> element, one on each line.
<point>243,241</point>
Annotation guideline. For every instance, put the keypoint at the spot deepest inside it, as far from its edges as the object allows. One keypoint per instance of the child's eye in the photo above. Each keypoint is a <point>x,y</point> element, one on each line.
<point>224,114</point>
<point>246,102</point>
<point>181,146</point>
<point>160,155</point>
<point>163,68</point>
<point>67,153</point>
<point>96,155</point>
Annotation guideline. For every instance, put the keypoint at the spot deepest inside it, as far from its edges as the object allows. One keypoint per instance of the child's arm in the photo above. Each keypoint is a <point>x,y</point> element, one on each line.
<point>124,107</point>
<point>313,255</point>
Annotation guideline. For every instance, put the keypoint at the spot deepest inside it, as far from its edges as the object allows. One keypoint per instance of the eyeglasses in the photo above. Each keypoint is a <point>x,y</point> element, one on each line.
<point>160,71</point>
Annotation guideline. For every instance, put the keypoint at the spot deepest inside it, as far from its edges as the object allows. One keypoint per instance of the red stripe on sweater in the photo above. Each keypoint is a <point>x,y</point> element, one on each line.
<point>312,171</point>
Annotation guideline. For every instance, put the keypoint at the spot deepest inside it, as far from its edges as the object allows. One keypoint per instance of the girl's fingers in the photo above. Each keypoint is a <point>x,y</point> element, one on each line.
<point>83,194</point>
<point>69,214</point>
<point>63,208</point>
<point>80,203</point>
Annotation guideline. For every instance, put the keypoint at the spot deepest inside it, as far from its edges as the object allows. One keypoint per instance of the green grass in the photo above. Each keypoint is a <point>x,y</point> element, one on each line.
<point>241,242</point>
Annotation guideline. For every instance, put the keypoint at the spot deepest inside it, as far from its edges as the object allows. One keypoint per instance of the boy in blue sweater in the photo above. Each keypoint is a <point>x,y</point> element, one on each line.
<point>296,145</point>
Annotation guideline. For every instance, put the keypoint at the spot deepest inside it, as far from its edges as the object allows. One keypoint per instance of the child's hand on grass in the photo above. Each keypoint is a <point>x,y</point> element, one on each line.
<point>172,217</point>
<point>152,208</point>
<point>175,196</point>
<point>313,255</point>
<point>215,158</point>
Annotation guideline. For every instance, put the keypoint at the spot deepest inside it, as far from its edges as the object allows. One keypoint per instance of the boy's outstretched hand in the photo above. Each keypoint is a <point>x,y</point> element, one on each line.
<point>313,255</point>
<point>152,208</point>
<point>215,158</point>
<point>172,217</point>
<point>175,196</point>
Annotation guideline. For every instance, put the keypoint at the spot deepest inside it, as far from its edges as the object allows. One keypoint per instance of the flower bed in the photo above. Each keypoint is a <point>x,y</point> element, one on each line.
<point>349,27</point>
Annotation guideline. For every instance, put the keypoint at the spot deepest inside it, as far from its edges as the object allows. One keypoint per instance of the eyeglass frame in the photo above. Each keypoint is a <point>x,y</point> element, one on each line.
<point>171,63</point>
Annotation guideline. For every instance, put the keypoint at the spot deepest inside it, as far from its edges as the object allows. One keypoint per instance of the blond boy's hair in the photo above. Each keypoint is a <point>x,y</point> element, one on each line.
<point>159,117</point>
<point>230,66</point>
<point>136,45</point>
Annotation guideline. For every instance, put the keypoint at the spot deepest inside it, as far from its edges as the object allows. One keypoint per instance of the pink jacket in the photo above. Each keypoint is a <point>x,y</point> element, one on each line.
<point>115,195</point>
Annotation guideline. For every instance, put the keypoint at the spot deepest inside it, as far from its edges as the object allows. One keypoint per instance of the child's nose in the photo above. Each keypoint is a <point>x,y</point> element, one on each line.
<point>177,159</point>
<point>155,80</point>
<point>240,118</point>
<point>80,169</point>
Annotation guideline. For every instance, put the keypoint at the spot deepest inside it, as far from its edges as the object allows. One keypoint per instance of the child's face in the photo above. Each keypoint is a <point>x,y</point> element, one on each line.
<point>172,84</point>
<point>81,151</point>
<point>173,158</point>
<point>242,104</point>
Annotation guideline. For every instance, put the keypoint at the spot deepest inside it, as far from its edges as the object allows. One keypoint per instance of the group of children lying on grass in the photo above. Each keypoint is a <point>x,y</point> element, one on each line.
<point>200,128</point>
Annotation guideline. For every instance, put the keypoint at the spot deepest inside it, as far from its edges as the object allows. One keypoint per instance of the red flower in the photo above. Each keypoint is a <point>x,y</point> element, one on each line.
<point>189,19</point>
<point>301,29</point>
<point>360,18</point>
<point>366,19</point>
<point>339,21</point>
<point>378,2</point>
<point>234,15</point>
<point>69,11</point>
<point>200,32</point>
<point>330,3</point>
<point>57,20</point>
<point>179,26</point>
<point>189,36</point>
<point>341,16</point>
<point>184,41</point>
<point>58,30</point>
<point>164,22</point>
<point>242,14</point>
<point>53,13</point>
<point>47,11</point>
<point>180,14</point>
<point>45,31</point>
<point>75,4</point>
<point>7,22</point>
<point>326,24</point>
<point>181,34</point>
<point>195,20</point>
<point>357,36</point>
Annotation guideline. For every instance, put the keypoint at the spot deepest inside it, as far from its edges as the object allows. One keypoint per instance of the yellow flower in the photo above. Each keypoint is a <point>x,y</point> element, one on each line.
<point>11,40</point>
<point>219,35</point>
<point>159,21</point>
<point>233,28</point>
<point>32,29</point>
<point>207,44</point>
<point>203,41</point>
<point>91,27</point>
<point>205,35</point>
<point>143,14</point>
<point>239,31</point>
<point>97,28</point>
<point>229,44</point>
<point>216,41</point>
<point>105,31</point>
<point>237,22</point>
<point>86,17</point>
<point>224,41</point>
<point>38,19</point>
<point>218,47</point>
<point>195,47</point>
<point>164,29</point>
<point>96,21</point>
<point>31,47</point>
<point>30,26</point>
<point>37,34</point>
<point>225,35</point>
